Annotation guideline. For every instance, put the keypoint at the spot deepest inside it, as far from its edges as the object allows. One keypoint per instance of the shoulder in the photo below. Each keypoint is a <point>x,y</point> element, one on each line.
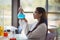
<point>43,25</point>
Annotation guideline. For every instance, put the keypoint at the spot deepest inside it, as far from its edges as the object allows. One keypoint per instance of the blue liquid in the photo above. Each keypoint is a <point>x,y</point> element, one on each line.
<point>21,16</point>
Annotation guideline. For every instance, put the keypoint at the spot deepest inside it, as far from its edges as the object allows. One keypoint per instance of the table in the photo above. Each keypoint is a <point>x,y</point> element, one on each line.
<point>18,37</point>
<point>23,37</point>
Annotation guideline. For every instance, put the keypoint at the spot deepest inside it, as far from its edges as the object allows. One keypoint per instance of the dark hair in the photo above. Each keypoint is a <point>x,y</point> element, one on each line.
<point>43,18</point>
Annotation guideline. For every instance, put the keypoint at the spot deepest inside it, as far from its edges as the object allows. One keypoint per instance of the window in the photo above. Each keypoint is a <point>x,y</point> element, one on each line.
<point>53,5</point>
<point>54,12</point>
<point>5,12</point>
<point>29,7</point>
<point>53,9</point>
<point>54,18</point>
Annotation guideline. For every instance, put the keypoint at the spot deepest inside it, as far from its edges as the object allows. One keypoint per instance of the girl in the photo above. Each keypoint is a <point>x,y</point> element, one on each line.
<point>39,28</point>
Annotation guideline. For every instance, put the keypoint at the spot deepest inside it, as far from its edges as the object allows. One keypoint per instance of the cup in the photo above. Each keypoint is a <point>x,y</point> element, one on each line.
<point>12,38</point>
<point>5,34</point>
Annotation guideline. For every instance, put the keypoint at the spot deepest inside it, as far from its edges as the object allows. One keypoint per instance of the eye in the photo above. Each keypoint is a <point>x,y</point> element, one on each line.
<point>36,12</point>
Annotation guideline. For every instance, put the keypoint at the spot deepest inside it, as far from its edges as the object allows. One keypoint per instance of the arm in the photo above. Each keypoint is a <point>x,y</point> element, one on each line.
<point>40,31</point>
<point>27,29</point>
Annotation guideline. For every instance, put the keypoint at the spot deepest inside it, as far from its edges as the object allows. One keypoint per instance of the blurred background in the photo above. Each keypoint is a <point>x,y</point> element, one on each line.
<point>51,6</point>
<point>9,10</point>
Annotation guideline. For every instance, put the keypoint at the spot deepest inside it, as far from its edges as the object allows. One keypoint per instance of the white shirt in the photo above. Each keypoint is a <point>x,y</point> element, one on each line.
<point>39,32</point>
<point>33,26</point>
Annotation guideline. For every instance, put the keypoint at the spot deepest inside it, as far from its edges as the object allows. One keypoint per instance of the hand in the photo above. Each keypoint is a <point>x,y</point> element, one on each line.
<point>25,20</point>
<point>20,10</point>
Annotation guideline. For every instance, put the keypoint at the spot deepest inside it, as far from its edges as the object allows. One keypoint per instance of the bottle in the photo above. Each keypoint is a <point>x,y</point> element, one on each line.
<point>1,31</point>
<point>21,15</point>
<point>6,36</point>
<point>12,37</point>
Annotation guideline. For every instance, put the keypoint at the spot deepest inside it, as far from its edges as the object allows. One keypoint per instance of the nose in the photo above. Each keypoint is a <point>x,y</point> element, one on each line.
<point>34,14</point>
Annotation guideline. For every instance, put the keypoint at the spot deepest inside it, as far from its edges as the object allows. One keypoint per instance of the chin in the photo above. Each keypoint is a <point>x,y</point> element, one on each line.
<point>35,18</point>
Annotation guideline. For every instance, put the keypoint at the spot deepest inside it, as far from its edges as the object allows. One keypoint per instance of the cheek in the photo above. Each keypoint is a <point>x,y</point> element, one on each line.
<point>35,16</point>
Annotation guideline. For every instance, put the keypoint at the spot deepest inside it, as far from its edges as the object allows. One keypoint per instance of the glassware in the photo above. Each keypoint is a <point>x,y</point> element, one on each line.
<point>1,31</point>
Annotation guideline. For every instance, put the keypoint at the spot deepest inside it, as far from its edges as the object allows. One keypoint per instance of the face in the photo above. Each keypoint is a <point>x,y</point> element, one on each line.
<point>37,15</point>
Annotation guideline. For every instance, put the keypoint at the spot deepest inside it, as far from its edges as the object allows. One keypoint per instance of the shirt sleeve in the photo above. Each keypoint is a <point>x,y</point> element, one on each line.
<point>40,31</point>
<point>27,29</point>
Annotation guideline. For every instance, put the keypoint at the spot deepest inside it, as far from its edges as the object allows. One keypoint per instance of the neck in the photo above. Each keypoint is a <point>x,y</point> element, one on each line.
<point>38,19</point>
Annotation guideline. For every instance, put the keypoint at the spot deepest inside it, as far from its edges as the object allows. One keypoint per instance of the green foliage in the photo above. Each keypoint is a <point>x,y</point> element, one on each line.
<point>58,31</point>
<point>5,6</point>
